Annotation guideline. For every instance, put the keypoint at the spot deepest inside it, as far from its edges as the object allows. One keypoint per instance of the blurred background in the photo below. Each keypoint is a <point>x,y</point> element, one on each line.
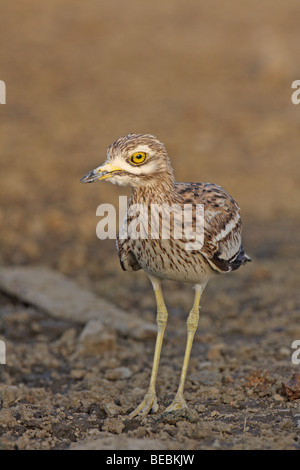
<point>212,80</point>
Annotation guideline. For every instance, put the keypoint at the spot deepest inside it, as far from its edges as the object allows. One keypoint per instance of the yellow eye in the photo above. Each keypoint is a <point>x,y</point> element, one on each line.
<point>138,157</point>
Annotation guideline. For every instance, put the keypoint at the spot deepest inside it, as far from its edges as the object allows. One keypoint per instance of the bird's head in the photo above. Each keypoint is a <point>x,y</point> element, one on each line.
<point>133,160</point>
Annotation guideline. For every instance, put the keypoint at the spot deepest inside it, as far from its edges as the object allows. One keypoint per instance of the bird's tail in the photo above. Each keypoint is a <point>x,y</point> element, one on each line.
<point>242,258</point>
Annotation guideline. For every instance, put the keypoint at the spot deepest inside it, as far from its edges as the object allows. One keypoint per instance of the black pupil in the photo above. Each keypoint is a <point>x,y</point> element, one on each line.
<point>139,156</point>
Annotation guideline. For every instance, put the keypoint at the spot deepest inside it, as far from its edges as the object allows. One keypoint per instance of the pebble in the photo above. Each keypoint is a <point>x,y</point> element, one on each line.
<point>77,373</point>
<point>118,374</point>
<point>215,351</point>
<point>113,425</point>
<point>278,397</point>
<point>95,339</point>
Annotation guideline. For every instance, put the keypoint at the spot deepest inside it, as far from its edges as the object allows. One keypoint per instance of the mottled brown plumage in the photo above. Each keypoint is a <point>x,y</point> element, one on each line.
<point>141,161</point>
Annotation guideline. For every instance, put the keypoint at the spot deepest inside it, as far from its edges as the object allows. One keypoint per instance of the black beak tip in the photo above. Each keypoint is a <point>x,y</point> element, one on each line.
<point>82,179</point>
<point>87,178</point>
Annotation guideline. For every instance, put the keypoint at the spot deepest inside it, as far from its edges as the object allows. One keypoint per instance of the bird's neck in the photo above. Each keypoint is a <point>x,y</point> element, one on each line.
<point>159,192</point>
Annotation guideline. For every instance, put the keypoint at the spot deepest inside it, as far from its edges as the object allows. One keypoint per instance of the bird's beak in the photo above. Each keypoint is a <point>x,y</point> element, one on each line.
<point>102,172</point>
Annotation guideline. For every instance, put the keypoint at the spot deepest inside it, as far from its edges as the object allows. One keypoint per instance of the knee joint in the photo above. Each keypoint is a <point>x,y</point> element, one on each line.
<point>162,316</point>
<point>192,321</point>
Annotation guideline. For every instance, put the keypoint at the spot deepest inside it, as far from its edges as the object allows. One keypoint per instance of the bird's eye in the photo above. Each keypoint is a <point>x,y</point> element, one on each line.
<point>138,157</point>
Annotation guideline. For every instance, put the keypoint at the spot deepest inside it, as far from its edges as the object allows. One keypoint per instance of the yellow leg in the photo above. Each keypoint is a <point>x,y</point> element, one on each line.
<point>149,402</point>
<point>192,324</point>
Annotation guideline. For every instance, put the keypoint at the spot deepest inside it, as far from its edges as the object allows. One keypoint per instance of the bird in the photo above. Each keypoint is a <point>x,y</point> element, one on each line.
<point>142,162</point>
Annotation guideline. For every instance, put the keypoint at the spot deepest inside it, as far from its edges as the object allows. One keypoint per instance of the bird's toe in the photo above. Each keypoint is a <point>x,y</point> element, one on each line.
<point>149,404</point>
<point>177,404</point>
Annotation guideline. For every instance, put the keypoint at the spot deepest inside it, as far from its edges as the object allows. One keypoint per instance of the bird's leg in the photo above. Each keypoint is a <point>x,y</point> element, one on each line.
<point>149,402</point>
<point>192,323</point>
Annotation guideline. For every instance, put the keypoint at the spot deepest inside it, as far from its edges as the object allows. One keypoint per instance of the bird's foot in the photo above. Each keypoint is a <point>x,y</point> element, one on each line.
<point>178,404</point>
<point>146,406</point>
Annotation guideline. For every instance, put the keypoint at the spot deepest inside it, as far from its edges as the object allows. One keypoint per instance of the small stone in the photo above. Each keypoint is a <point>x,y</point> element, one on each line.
<point>119,373</point>
<point>77,373</point>
<point>284,352</point>
<point>278,397</point>
<point>212,392</point>
<point>66,343</point>
<point>145,331</point>
<point>291,389</point>
<point>215,351</point>
<point>95,339</point>
<point>184,414</point>
<point>111,409</point>
<point>94,432</point>
<point>113,425</point>
<point>200,408</point>
<point>9,394</point>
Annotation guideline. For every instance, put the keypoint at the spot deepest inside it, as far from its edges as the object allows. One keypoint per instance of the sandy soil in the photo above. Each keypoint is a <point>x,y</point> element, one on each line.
<point>52,396</point>
<point>214,83</point>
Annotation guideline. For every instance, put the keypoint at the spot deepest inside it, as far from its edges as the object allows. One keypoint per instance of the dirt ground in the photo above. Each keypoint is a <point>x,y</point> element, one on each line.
<point>213,82</point>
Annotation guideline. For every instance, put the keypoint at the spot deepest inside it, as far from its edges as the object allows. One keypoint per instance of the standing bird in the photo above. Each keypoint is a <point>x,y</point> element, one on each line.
<point>141,161</point>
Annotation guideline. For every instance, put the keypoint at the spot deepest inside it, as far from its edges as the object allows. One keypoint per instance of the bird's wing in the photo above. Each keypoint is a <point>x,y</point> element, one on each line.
<point>222,246</point>
<point>127,259</point>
